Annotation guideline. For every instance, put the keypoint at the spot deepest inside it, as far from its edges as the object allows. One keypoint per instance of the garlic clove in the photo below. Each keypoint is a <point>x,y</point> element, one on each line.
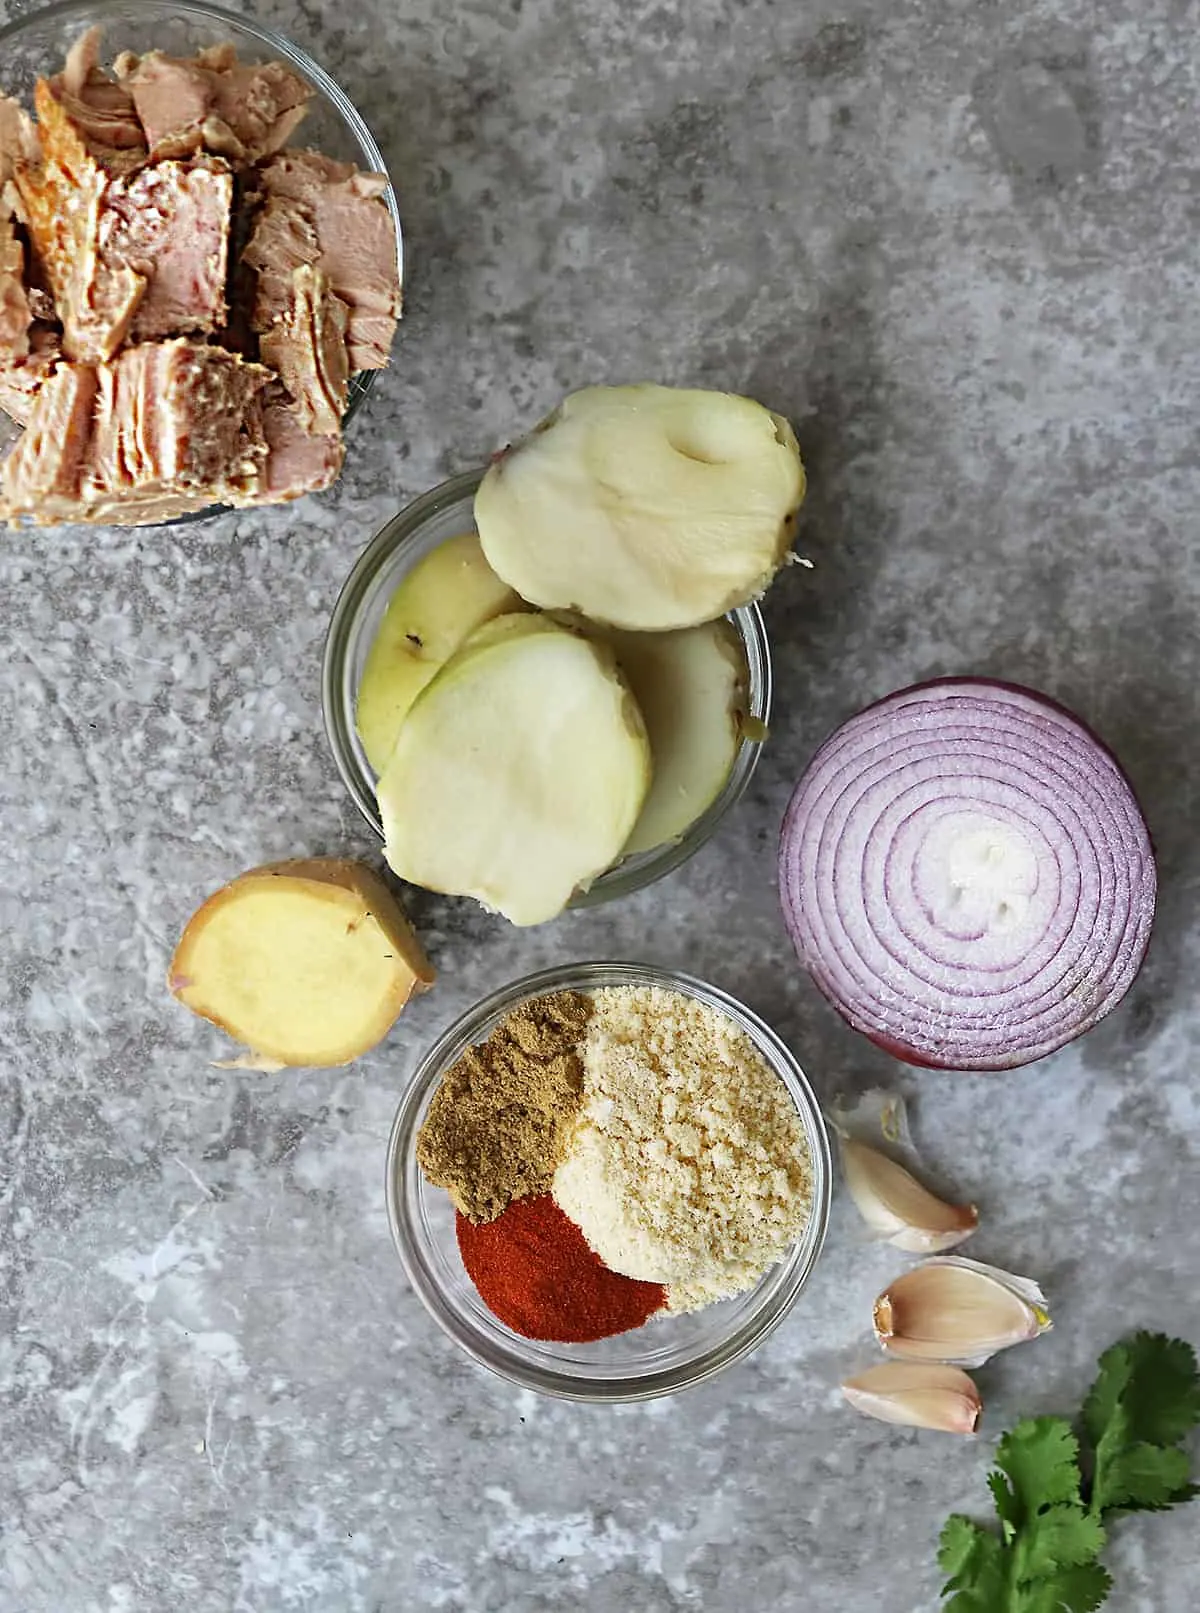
<point>897,1207</point>
<point>950,1309</point>
<point>917,1394</point>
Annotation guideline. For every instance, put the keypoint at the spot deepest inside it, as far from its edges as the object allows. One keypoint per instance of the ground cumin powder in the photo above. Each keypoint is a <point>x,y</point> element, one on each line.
<point>501,1117</point>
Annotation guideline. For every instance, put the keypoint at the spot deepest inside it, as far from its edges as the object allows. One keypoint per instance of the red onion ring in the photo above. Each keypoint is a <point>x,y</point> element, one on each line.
<point>966,874</point>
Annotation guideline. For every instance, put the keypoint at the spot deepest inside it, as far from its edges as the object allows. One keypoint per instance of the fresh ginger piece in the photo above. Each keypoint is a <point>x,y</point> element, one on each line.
<point>307,962</point>
<point>644,507</point>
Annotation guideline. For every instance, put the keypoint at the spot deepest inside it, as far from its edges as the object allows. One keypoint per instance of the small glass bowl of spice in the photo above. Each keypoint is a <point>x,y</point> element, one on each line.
<point>608,1181</point>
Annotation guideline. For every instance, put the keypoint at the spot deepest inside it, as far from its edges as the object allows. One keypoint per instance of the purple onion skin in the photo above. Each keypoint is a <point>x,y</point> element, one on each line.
<point>925,1059</point>
<point>909,1055</point>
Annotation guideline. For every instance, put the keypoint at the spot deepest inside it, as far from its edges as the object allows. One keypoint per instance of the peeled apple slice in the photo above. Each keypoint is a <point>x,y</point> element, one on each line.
<point>691,688</point>
<point>306,962</point>
<point>438,605</point>
<point>519,773</point>
<point>644,507</point>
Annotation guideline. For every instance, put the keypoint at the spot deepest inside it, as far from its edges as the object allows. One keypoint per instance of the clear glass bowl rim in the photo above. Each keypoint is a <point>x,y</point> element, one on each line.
<point>625,877</point>
<point>511,1361</point>
<point>372,157</point>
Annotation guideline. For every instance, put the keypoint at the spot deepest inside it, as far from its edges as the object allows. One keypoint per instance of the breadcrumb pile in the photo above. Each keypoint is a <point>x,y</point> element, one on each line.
<point>689,1165</point>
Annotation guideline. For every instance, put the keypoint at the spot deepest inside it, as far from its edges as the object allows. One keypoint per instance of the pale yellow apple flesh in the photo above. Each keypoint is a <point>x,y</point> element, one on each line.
<point>649,508</point>
<point>519,772</point>
<point>441,602</point>
<point>691,688</point>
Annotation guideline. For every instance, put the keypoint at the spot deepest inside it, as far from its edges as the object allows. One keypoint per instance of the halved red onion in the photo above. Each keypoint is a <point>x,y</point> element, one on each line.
<point>967,876</point>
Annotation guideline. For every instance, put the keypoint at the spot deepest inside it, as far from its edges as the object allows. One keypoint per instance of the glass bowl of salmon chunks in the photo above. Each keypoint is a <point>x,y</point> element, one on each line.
<point>201,264</point>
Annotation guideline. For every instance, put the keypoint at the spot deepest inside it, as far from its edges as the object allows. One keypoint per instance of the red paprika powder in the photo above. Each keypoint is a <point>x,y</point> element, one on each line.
<point>534,1270</point>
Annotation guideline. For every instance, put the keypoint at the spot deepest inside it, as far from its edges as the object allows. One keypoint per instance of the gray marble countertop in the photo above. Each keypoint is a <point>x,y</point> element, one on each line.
<point>956,242</point>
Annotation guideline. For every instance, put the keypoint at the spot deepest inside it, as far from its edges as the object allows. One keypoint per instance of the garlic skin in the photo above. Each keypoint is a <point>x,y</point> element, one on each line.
<point>951,1309</point>
<point>897,1208</point>
<point>917,1394</point>
<point>876,1116</point>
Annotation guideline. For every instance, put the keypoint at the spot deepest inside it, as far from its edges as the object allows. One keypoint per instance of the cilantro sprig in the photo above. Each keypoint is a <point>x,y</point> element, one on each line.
<point>1056,1488</point>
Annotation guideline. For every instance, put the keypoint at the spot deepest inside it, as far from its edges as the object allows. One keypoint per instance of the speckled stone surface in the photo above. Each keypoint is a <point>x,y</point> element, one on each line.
<point>956,243</point>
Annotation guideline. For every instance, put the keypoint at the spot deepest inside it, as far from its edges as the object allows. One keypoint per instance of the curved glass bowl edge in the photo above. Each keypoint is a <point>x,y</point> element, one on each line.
<point>338,699</point>
<point>506,1354</point>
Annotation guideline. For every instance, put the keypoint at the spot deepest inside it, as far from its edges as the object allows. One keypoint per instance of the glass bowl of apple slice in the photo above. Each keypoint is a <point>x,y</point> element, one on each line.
<point>422,586</point>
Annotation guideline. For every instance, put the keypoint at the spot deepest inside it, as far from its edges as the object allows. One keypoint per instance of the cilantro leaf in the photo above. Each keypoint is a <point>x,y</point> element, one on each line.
<point>1145,1400</point>
<point>1162,1396</point>
<point>1104,1397</point>
<point>1007,1509</point>
<point>1074,1590</point>
<point>974,1560</point>
<point>965,1549</point>
<point>1155,1381</point>
<point>1063,1536</point>
<point>1142,1477</point>
<point>988,1595</point>
<point>1040,1458</point>
<point>1084,1588</point>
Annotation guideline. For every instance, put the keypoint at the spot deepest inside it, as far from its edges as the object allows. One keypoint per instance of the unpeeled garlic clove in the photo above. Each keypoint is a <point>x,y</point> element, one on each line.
<point>950,1309</point>
<point>895,1205</point>
<point>917,1394</point>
